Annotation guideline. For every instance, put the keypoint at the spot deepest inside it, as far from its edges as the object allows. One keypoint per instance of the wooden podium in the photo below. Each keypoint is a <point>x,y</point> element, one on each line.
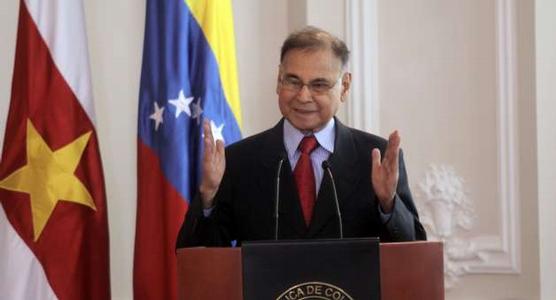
<point>412,270</point>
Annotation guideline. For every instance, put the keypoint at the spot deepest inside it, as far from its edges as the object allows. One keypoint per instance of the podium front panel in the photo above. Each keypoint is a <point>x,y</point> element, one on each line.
<point>311,269</point>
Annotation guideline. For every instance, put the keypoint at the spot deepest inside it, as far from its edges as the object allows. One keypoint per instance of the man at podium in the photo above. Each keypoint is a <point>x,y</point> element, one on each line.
<point>309,176</point>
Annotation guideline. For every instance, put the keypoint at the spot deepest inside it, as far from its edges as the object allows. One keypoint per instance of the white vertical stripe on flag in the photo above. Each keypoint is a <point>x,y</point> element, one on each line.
<point>61,24</point>
<point>21,276</point>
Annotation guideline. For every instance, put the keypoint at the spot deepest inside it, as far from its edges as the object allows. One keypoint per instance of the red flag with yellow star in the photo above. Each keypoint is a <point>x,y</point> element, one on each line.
<point>53,219</point>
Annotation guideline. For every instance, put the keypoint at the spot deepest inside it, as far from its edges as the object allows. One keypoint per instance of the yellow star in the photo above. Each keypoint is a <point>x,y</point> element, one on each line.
<point>49,177</point>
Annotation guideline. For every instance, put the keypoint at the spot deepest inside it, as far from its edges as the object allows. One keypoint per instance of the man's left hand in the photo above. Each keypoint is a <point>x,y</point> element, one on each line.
<point>385,173</point>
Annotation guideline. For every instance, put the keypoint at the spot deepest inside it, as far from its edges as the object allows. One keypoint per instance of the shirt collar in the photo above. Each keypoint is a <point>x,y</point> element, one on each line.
<point>325,136</point>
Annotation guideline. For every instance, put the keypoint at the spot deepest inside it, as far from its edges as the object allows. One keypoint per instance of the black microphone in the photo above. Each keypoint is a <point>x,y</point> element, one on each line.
<point>277,200</point>
<point>326,167</point>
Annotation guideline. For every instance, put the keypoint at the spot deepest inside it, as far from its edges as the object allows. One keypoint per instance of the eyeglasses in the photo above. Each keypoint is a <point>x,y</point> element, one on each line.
<point>316,87</point>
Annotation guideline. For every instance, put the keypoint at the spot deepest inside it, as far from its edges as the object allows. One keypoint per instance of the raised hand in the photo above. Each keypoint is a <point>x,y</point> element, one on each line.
<point>214,164</point>
<point>385,172</point>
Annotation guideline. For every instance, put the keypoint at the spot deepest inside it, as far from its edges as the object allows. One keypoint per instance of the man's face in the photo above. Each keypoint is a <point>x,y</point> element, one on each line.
<point>306,109</point>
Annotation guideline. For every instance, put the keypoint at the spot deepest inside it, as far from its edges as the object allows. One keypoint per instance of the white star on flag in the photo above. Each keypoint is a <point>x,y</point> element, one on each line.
<point>217,131</point>
<point>157,116</point>
<point>197,110</point>
<point>182,104</point>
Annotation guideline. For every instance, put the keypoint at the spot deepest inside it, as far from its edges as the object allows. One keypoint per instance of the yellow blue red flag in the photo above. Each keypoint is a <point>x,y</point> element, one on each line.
<point>188,74</point>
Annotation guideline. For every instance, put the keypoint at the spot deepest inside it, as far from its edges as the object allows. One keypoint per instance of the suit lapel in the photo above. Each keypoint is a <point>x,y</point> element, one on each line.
<point>343,165</point>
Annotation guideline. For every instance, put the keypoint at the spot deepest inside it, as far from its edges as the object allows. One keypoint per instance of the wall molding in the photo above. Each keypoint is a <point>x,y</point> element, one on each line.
<point>504,250</point>
<point>362,39</point>
<point>499,254</point>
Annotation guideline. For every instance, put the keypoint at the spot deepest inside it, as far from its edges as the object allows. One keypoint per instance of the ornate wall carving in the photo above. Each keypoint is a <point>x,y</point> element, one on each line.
<point>446,201</point>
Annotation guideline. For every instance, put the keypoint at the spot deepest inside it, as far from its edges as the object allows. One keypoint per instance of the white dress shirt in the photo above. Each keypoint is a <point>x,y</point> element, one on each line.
<point>325,138</point>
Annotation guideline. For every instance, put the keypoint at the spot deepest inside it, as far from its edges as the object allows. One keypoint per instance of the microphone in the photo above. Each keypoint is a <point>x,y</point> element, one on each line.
<point>326,167</point>
<point>277,200</point>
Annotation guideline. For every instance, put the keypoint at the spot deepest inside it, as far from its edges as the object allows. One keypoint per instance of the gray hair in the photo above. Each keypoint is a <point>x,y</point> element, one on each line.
<point>313,38</point>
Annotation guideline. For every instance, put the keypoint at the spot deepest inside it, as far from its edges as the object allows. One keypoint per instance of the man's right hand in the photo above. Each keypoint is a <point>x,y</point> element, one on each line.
<point>214,164</point>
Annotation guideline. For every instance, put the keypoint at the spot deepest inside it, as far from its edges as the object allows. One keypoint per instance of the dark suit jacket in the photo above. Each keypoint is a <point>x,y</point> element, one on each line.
<point>245,201</point>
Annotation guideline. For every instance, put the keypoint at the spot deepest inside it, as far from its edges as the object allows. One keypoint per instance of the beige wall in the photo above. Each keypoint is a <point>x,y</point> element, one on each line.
<point>437,83</point>
<point>8,19</point>
<point>115,31</point>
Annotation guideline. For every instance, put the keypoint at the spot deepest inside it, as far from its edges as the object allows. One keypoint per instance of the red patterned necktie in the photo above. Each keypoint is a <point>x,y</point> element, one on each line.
<point>305,178</point>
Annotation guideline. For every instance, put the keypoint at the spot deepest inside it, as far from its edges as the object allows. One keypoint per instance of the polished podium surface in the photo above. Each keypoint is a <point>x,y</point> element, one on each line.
<point>411,270</point>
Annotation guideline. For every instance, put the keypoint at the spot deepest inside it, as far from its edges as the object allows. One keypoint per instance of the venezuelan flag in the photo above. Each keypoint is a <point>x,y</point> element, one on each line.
<point>188,74</point>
